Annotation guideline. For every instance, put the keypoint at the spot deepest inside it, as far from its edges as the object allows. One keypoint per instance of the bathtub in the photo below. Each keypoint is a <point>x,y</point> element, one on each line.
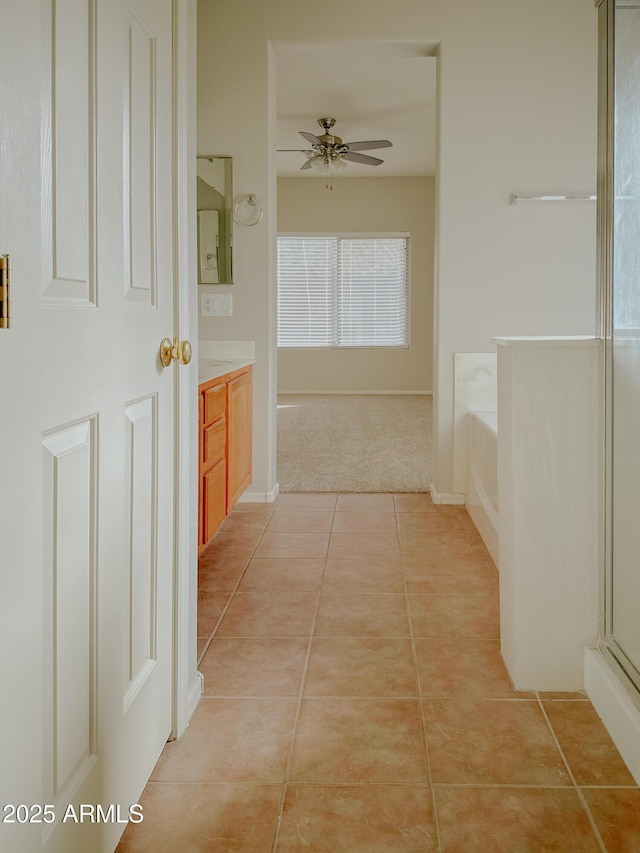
<point>481,493</point>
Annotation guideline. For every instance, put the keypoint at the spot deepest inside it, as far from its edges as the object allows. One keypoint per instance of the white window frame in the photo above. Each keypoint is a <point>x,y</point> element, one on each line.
<point>359,235</point>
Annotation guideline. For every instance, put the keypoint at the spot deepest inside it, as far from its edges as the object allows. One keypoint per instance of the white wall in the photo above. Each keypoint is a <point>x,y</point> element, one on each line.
<point>518,98</point>
<point>517,112</point>
<point>373,205</point>
<point>235,113</point>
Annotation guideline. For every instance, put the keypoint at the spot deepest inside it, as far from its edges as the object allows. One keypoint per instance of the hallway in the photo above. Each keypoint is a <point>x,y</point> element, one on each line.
<point>356,700</point>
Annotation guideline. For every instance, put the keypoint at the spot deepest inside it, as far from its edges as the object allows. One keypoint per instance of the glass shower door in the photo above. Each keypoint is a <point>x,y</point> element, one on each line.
<point>622,618</point>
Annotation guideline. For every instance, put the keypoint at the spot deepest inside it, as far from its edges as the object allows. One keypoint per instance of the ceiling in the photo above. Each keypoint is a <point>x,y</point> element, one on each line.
<point>371,97</point>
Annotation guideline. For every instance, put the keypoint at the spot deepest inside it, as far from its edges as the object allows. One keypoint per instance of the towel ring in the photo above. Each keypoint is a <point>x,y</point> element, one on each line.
<point>253,202</point>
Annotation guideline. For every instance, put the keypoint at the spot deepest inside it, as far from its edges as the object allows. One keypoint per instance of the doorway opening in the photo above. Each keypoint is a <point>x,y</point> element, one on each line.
<point>351,418</point>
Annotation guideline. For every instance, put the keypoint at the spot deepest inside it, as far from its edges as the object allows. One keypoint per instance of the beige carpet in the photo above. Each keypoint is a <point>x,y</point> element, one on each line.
<point>354,443</point>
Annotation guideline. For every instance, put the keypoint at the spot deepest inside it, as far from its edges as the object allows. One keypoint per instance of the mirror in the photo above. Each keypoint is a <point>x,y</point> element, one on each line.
<point>215,219</point>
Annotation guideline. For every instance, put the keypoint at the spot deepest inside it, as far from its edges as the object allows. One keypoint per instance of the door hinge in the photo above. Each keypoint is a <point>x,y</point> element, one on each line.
<point>5,292</point>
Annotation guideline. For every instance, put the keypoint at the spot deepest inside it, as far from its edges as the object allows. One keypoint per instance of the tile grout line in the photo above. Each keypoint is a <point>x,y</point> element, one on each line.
<point>303,680</point>
<point>532,786</point>
<point>409,785</point>
<point>574,784</point>
<point>231,594</point>
<point>423,726</point>
<point>223,612</point>
<point>230,598</point>
<point>471,532</point>
<point>576,787</point>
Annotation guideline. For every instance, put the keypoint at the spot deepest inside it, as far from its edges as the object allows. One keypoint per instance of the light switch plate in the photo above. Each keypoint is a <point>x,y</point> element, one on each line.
<point>216,305</point>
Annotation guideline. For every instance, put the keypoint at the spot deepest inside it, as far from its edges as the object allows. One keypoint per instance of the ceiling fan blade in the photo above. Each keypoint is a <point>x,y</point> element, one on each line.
<point>366,146</point>
<point>361,158</point>
<point>310,162</point>
<point>303,150</point>
<point>310,137</point>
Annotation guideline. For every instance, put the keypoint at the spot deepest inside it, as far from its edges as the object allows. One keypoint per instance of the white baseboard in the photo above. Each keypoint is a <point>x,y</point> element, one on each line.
<point>438,498</point>
<point>195,694</point>
<point>250,497</point>
<point>355,392</point>
<point>614,706</point>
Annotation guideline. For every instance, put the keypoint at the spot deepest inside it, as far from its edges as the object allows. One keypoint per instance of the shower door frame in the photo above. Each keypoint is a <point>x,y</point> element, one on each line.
<point>624,668</point>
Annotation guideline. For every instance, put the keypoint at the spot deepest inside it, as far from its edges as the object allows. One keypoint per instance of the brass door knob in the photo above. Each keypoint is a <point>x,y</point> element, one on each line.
<point>174,350</point>
<point>184,352</point>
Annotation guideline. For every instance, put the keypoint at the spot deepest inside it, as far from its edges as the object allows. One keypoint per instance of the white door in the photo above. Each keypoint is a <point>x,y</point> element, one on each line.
<point>88,411</point>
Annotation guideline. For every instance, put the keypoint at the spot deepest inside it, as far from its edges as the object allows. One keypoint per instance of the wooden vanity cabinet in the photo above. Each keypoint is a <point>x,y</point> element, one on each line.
<point>224,446</point>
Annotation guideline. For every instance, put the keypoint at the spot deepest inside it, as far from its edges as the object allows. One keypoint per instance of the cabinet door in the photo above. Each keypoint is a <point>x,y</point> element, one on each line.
<point>213,498</point>
<point>200,457</point>
<point>239,437</point>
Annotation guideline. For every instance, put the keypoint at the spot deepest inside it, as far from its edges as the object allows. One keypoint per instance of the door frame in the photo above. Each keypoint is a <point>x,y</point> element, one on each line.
<point>187,681</point>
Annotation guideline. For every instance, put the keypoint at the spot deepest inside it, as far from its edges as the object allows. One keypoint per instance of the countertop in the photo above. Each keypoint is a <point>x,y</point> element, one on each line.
<point>212,368</point>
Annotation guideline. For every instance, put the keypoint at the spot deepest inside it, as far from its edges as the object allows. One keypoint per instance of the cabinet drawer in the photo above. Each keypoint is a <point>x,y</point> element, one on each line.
<point>215,440</point>
<point>215,403</point>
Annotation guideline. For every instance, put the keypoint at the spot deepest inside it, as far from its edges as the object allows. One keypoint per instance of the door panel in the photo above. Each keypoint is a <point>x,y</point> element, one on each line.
<point>139,161</point>
<point>141,519</point>
<point>69,595</point>
<point>68,154</point>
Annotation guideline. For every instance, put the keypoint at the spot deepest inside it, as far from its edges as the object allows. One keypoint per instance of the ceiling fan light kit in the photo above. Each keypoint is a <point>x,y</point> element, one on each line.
<point>329,151</point>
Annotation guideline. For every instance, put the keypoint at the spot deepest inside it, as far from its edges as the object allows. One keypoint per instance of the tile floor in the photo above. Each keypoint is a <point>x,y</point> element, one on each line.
<point>355,700</point>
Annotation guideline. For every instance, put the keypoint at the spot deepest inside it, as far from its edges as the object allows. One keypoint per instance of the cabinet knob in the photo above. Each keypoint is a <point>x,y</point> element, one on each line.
<point>174,351</point>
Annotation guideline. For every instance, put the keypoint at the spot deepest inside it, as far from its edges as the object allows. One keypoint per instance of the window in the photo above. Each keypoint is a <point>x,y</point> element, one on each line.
<point>343,291</point>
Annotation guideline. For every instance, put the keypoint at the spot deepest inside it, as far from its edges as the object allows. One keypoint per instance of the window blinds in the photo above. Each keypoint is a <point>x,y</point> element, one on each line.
<point>342,291</point>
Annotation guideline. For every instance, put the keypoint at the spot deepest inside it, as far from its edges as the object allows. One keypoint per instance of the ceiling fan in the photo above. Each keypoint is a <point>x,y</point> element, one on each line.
<point>328,149</point>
